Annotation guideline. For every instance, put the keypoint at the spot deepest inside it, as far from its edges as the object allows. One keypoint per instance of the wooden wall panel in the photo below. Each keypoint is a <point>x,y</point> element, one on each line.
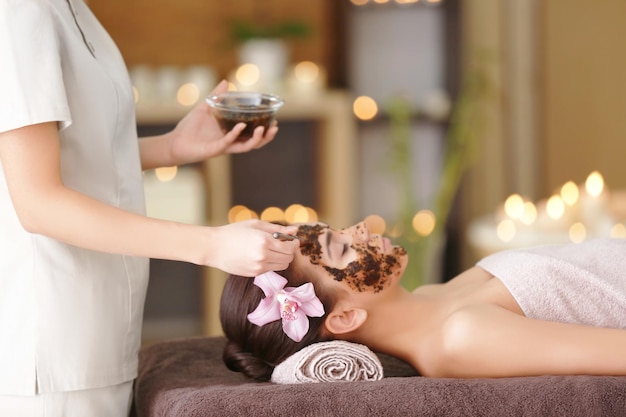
<point>188,32</point>
<point>584,85</point>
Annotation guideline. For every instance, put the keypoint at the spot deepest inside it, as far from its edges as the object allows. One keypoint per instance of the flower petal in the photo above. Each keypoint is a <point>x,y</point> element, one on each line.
<point>267,311</point>
<point>270,282</point>
<point>307,300</point>
<point>296,329</point>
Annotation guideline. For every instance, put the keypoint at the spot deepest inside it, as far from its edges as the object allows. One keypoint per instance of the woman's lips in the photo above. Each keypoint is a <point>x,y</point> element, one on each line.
<point>386,245</point>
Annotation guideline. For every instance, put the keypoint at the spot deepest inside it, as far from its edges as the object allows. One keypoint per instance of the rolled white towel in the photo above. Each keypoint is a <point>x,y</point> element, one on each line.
<point>332,361</point>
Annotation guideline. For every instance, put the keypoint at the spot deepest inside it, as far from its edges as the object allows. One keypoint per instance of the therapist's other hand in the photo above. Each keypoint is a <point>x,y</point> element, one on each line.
<point>198,135</point>
<point>248,249</point>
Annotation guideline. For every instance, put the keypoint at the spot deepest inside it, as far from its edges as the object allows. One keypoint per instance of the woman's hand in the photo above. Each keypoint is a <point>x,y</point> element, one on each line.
<point>248,249</point>
<point>198,135</point>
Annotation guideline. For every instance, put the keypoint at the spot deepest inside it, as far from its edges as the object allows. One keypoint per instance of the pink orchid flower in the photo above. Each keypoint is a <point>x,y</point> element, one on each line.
<point>291,304</point>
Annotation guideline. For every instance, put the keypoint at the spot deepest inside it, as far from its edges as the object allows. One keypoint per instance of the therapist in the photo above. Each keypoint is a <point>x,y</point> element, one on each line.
<point>74,238</point>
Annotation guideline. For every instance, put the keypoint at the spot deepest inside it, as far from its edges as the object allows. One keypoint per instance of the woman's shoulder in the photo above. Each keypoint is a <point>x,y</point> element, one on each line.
<point>28,17</point>
<point>475,286</point>
<point>469,278</point>
<point>453,348</point>
<point>18,8</point>
<point>472,275</point>
<point>445,344</point>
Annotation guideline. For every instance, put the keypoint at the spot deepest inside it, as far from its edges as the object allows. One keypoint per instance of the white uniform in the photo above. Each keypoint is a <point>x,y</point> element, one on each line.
<point>70,318</point>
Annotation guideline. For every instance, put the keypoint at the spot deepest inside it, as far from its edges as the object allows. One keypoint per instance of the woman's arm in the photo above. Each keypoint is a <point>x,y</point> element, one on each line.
<point>490,341</point>
<point>30,158</point>
<point>198,137</point>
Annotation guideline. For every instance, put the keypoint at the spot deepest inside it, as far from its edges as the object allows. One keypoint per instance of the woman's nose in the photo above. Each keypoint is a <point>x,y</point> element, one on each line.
<point>361,232</point>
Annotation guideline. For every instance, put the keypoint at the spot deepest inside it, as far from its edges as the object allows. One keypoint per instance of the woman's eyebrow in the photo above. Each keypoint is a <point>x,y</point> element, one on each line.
<point>329,236</point>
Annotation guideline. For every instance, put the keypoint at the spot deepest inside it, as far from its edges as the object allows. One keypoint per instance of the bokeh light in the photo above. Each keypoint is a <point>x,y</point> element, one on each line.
<point>618,231</point>
<point>188,94</point>
<point>246,214</point>
<point>375,224</point>
<point>248,74</point>
<point>424,222</point>
<point>396,230</point>
<point>166,173</point>
<point>273,214</point>
<point>306,71</point>
<point>365,108</point>
<point>234,212</point>
<point>570,193</point>
<point>555,207</point>
<point>577,232</point>
<point>312,215</point>
<point>594,184</point>
<point>296,213</point>
<point>529,214</point>
<point>514,206</point>
<point>506,230</point>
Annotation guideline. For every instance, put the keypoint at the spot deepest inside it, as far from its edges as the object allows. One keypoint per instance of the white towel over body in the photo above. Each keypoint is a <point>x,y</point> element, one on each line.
<point>581,283</point>
<point>331,361</point>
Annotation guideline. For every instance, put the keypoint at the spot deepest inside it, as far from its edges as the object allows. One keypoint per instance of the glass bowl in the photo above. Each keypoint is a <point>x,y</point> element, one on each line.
<point>253,109</point>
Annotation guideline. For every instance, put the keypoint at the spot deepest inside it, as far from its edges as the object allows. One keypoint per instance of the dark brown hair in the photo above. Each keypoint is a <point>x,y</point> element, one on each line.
<point>255,350</point>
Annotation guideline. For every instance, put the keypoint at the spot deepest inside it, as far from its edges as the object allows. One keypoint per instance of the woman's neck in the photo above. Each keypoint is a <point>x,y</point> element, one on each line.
<point>396,326</point>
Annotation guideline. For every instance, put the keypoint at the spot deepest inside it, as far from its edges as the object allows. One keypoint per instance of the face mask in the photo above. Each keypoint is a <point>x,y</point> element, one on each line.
<point>371,271</point>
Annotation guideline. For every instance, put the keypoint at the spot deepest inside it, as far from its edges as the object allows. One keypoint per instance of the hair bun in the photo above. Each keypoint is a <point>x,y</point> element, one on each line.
<point>238,359</point>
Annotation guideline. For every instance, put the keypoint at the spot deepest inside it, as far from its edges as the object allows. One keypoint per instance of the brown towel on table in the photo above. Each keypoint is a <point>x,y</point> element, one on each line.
<point>186,378</point>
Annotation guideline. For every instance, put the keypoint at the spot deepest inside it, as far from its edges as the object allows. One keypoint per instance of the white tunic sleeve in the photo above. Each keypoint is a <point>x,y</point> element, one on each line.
<point>31,80</point>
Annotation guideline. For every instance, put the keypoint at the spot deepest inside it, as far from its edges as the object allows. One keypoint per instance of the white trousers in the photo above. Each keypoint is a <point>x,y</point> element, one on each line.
<point>112,401</point>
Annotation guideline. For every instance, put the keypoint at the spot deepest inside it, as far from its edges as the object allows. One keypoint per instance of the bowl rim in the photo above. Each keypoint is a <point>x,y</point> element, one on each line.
<point>275,101</point>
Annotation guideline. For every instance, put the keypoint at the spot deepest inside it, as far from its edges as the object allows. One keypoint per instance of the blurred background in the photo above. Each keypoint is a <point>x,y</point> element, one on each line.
<point>458,127</point>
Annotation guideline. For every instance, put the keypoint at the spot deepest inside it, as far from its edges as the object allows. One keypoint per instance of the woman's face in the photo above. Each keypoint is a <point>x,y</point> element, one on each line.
<point>364,262</point>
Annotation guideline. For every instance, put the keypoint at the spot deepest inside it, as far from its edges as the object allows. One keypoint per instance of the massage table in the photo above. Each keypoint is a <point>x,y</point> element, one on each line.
<point>187,378</point>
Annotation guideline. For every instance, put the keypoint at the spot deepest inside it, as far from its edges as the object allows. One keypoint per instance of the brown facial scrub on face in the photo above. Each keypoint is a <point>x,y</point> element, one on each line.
<point>310,245</point>
<point>372,269</point>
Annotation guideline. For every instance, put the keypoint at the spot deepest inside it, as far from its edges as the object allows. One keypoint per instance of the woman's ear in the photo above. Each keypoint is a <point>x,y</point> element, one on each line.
<point>345,321</point>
